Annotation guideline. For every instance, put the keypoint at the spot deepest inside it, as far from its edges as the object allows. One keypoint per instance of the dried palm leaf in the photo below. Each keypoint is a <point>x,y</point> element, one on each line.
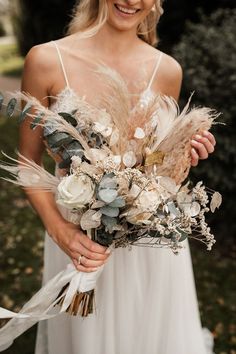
<point>26,173</point>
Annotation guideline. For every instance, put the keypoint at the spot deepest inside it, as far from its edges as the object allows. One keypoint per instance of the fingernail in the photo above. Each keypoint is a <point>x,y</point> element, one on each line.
<point>198,136</point>
<point>205,133</point>
<point>94,269</point>
<point>194,142</point>
<point>108,251</point>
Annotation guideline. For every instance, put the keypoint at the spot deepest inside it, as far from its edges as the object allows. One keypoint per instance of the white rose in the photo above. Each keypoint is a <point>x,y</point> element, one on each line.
<point>75,191</point>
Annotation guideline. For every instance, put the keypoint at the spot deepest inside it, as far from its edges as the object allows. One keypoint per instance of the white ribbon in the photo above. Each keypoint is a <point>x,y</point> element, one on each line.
<point>42,305</point>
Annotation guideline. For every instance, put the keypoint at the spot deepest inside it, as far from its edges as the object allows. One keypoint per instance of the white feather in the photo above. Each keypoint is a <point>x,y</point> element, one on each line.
<point>26,173</point>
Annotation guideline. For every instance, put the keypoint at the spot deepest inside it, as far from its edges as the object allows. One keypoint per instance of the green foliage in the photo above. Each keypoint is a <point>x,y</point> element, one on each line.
<point>177,12</point>
<point>207,53</point>
<point>2,30</point>
<point>11,63</point>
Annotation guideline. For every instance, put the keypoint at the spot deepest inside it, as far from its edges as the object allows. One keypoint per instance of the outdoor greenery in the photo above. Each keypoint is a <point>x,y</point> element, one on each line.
<point>207,53</point>
<point>11,63</point>
<point>2,30</point>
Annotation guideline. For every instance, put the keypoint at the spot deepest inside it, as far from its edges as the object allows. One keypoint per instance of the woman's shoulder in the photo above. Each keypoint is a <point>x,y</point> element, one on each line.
<point>169,75</point>
<point>169,66</point>
<point>41,56</point>
<point>44,56</point>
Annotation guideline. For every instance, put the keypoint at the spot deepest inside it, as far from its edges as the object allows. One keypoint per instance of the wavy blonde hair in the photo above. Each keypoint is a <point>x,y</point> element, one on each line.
<point>90,15</point>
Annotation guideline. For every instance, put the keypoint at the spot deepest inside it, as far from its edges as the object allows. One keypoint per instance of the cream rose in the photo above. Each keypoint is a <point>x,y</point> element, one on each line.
<point>75,191</point>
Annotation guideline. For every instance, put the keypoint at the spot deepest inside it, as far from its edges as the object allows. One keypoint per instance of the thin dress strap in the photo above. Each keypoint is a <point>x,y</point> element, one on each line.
<point>154,71</point>
<point>62,64</point>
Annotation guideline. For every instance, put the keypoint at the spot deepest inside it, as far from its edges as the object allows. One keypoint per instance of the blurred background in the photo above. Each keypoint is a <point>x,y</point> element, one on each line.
<point>201,35</point>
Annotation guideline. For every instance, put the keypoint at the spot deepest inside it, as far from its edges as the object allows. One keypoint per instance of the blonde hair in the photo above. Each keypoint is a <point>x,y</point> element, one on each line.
<point>90,15</point>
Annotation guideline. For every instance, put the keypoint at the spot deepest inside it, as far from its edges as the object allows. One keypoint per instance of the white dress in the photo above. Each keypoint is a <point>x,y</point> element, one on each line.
<point>145,299</point>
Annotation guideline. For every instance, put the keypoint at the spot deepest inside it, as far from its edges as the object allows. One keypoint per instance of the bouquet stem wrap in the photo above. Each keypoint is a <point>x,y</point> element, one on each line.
<point>42,305</point>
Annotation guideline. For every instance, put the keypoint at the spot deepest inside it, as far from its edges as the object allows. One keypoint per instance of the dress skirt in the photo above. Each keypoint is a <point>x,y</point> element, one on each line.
<point>145,303</point>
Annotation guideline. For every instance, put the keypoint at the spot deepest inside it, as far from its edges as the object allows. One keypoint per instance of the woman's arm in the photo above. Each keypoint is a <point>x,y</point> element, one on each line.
<point>38,79</point>
<point>202,144</point>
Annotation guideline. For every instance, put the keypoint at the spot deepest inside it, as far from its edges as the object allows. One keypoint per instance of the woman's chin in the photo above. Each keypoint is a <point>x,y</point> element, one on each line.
<point>122,26</point>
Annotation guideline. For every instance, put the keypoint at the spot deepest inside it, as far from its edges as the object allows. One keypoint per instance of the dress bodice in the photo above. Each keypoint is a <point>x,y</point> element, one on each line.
<point>66,100</point>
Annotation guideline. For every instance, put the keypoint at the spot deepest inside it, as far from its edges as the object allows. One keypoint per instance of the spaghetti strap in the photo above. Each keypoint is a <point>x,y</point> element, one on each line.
<point>62,64</point>
<point>154,71</point>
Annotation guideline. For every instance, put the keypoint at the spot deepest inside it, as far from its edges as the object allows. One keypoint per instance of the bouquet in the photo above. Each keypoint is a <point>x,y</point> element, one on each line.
<point>123,178</point>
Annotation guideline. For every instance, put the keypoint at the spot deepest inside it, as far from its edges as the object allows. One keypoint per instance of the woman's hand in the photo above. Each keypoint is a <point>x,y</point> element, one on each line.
<point>86,254</point>
<point>202,145</point>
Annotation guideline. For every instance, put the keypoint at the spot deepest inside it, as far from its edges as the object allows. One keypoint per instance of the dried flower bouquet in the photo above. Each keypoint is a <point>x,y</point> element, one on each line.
<point>123,180</point>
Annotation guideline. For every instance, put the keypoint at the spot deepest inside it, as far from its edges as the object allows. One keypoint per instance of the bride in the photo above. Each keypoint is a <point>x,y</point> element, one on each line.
<point>145,298</point>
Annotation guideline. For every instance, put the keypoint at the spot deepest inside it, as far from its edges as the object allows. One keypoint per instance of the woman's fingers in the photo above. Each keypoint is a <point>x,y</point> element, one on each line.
<point>202,146</point>
<point>200,149</point>
<point>81,244</point>
<point>86,254</point>
<point>91,245</point>
<point>81,268</point>
<point>210,137</point>
<point>89,263</point>
<point>79,248</point>
<point>194,157</point>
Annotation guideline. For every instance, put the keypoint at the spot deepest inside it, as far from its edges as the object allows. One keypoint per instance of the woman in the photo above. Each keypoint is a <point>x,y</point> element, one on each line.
<point>145,298</point>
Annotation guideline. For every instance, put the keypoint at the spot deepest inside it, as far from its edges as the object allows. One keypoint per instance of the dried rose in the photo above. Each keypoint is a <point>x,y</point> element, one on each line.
<point>75,191</point>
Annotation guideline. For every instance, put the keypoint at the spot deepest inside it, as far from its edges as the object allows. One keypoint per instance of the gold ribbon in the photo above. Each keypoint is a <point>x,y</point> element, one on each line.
<point>155,158</point>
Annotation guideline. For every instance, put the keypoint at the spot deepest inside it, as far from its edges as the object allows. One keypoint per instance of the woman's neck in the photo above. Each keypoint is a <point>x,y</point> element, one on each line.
<point>109,42</point>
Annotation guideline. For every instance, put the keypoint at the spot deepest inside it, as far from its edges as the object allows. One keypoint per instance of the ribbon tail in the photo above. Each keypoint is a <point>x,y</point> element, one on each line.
<point>38,308</point>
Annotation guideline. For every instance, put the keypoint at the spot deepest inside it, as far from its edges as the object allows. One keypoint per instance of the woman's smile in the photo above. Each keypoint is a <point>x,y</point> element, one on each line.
<point>125,11</point>
<point>127,15</point>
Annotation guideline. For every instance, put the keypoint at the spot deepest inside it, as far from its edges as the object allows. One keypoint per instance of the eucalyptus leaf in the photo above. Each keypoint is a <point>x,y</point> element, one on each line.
<point>1,100</point>
<point>69,118</point>
<point>154,234</point>
<point>11,107</point>
<point>173,210</point>
<point>74,149</point>
<point>109,222</point>
<point>183,236</point>
<point>24,112</point>
<point>109,211</point>
<point>65,163</point>
<point>169,236</point>
<point>108,183</point>
<point>49,129</point>
<point>119,202</point>
<point>107,195</point>
<point>104,238</point>
<point>58,139</point>
<point>36,121</point>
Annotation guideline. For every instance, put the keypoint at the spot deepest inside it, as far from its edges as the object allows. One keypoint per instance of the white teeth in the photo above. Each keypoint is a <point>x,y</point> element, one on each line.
<point>125,10</point>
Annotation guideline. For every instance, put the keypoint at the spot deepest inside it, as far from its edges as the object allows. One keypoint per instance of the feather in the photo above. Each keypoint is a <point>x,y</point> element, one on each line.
<point>116,102</point>
<point>173,136</point>
<point>26,173</point>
